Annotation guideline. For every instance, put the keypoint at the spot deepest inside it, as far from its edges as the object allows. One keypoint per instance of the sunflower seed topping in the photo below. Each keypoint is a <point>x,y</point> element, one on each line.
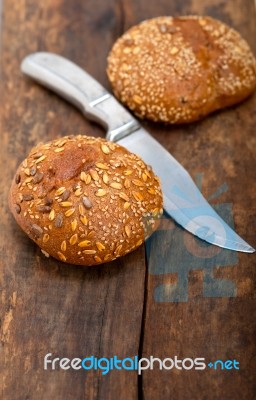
<point>38,177</point>
<point>86,202</point>
<point>28,197</point>
<point>58,221</point>
<point>37,230</point>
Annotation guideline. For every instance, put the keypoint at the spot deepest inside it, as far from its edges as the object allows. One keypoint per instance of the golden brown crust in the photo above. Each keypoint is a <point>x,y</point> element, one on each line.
<point>84,200</point>
<point>177,70</point>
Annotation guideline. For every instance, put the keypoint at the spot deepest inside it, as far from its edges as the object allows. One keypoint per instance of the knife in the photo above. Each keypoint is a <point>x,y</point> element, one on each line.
<point>182,199</point>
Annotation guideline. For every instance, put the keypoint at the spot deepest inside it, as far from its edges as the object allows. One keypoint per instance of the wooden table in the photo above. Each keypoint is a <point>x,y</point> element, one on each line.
<point>185,299</point>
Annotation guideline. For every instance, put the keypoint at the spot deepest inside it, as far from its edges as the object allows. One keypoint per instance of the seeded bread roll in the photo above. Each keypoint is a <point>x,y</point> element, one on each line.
<point>177,70</point>
<point>84,200</point>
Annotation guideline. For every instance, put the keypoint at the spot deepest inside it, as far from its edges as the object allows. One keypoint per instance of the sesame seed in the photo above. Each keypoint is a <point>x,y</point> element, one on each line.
<point>174,50</point>
<point>136,50</point>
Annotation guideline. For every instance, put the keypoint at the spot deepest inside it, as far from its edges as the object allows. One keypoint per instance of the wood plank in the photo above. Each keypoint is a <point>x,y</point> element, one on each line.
<point>201,303</point>
<point>47,306</point>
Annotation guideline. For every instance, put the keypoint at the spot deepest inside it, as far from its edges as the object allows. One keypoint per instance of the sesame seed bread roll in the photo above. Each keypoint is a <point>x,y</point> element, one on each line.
<point>84,200</point>
<point>178,70</point>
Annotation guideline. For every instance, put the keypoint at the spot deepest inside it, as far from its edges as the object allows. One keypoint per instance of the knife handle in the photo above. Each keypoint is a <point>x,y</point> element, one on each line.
<point>77,86</point>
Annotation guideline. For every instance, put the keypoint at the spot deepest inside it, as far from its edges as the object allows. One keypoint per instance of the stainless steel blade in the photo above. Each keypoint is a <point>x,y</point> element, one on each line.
<point>182,199</point>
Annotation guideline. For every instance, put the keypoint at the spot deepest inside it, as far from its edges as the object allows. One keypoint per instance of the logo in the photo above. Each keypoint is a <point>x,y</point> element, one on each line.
<point>173,251</point>
<point>105,365</point>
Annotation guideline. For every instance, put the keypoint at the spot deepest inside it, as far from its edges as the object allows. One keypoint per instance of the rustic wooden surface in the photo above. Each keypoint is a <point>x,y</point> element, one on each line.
<point>126,307</point>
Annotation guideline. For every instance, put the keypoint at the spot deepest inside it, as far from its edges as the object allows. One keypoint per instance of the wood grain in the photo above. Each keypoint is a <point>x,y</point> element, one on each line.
<point>126,307</point>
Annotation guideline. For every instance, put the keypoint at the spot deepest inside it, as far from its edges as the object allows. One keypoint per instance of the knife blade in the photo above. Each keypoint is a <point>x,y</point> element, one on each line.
<point>182,199</point>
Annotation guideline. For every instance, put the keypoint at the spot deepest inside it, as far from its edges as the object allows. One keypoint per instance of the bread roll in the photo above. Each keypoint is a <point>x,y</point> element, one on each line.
<point>84,200</point>
<point>177,70</point>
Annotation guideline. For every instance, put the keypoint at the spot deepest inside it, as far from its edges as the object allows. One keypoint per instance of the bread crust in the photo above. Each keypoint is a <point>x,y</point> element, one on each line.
<point>84,200</point>
<point>178,70</point>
